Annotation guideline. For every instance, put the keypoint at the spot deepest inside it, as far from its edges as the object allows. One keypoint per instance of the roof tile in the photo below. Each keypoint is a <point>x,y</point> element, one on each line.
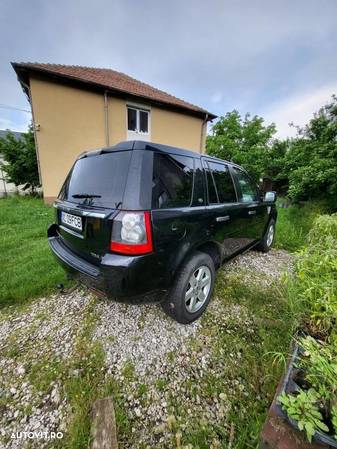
<point>111,79</point>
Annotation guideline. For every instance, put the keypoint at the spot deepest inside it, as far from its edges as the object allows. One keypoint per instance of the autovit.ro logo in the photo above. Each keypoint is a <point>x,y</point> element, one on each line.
<point>37,435</point>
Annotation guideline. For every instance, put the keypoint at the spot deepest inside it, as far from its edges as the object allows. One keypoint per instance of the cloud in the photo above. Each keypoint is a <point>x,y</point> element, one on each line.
<point>217,97</point>
<point>16,124</point>
<point>298,109</point>
<point>245,55</point>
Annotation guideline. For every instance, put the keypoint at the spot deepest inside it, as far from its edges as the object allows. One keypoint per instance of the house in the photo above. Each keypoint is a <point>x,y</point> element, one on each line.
<point>7,187</point>
<point>80,108</point>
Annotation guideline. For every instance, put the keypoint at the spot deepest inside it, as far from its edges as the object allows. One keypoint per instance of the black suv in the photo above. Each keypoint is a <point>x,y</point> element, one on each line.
<point>145,222</point>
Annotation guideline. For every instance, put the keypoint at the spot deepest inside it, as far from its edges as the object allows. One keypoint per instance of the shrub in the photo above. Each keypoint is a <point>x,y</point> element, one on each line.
<point>311,161</point>
<point>312,290</point>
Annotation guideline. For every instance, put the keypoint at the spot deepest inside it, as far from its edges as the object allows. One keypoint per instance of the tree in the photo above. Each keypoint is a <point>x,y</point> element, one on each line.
<point>274,165</point>
<point>246,141</point>
<point>311,160</point>
<point>20,157</point>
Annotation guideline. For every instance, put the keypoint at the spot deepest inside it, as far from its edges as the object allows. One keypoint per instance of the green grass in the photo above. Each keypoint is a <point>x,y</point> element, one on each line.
<point>294,223</point>
<point>28,268</point>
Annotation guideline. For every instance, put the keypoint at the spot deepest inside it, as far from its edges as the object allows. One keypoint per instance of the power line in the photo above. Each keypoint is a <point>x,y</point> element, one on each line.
<point>13,108</point>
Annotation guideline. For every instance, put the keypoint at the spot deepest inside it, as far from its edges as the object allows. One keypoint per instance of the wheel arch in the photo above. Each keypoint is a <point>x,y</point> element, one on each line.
<point>213,250</point>
<point>208,247</point>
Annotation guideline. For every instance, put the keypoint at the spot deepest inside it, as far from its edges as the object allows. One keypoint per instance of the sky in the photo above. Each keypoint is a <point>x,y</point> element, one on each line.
<point>276,59</point>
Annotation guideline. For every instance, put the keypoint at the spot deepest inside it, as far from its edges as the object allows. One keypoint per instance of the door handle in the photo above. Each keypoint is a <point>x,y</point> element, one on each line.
<point>225,218</point>
<point>252,212</point>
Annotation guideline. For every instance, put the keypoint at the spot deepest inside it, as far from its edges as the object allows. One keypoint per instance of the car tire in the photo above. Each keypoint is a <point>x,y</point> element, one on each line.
<point>268,238</point>
<point>191,292</point>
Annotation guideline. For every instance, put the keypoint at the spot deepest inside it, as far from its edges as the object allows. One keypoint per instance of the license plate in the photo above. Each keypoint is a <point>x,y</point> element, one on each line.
<point>72,220</point>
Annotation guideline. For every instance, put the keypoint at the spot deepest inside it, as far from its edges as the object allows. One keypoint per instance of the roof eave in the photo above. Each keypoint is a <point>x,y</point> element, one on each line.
<point>20,72</point>
<point>23,73</point>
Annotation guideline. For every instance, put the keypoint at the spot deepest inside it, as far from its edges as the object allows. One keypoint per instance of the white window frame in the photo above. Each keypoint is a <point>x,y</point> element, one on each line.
<point>138,108</point>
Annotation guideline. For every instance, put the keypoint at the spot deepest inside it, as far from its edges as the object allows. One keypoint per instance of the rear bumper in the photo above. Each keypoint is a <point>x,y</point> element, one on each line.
<point>123,278</point>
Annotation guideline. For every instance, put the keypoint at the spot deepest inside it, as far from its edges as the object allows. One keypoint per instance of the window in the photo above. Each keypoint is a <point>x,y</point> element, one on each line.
<point>247,187</point>
<point>138,120</point>
<point>143,122</point>
<point>212,195</point>
<point>103,175</point>
<point>223,182</point>
<point>172,181</point>
<point>132,119</point>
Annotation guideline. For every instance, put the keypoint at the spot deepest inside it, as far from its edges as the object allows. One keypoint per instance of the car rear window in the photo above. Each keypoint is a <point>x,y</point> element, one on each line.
<point>103,175</point>
<point>172,181</point>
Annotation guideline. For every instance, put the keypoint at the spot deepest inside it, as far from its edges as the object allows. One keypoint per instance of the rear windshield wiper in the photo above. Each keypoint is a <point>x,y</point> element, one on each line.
<point>86,195</point>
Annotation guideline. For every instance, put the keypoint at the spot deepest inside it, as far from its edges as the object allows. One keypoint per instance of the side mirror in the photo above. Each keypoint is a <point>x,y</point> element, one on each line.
<point>270,197</point>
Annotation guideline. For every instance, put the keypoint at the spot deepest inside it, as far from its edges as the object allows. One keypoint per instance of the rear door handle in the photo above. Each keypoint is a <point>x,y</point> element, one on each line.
<point>252,212</point>
<point>224,218</point>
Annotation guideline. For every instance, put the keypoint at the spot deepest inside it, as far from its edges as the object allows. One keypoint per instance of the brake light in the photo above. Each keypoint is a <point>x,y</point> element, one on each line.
<point>131,233</point>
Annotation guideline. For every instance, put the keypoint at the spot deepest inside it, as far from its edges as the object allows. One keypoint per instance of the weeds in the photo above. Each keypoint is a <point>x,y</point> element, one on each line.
<point>294,223</point>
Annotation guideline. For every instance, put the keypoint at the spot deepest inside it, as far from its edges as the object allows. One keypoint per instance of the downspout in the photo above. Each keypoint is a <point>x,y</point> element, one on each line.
<point>106,117</point>
<point>34,129</point>
<point>204,122</point>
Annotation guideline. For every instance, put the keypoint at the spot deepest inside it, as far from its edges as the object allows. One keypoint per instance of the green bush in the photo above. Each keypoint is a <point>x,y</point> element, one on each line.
<point>312,290</point>
<point>311,161</point>
<point>21,165</point>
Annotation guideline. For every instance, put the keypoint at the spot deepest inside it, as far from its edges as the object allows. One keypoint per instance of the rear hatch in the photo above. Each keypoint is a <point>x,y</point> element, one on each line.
<point>89,200</point>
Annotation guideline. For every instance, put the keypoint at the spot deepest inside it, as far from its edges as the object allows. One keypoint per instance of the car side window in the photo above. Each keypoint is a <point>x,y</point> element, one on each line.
<point>248,191</point>
<point>212,193</point>
<point>223,182</point>
<point>172,181</point>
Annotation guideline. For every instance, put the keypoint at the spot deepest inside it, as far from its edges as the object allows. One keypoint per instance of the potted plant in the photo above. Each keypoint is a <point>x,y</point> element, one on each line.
<point>308,399</point>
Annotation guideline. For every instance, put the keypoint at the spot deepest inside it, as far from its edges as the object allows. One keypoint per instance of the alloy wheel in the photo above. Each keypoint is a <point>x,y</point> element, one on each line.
<point>270,235</point>
<point>198,289</point>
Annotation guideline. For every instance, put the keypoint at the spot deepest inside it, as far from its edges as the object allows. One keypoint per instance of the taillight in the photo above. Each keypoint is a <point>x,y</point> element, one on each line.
<point>131,233</point>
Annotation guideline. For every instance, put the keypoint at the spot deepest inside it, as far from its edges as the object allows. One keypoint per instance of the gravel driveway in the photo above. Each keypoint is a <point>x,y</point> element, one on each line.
<point>157,363</point>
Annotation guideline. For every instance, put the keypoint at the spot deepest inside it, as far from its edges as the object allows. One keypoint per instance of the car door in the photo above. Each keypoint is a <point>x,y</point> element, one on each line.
<point>254,214</point>
<point>178,208</point>
<point>223,207</point>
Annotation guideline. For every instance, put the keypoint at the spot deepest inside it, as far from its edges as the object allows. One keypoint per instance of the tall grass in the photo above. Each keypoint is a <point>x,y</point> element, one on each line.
<point>312,291</point>
<point>294,223</point>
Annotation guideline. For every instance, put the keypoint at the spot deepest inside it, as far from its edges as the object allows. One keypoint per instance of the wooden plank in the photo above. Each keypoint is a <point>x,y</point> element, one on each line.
<point>103,427</point>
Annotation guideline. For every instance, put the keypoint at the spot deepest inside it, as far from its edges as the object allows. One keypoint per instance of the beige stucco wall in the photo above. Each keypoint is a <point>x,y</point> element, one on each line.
<point>176,129</point>
<point>72,120</point>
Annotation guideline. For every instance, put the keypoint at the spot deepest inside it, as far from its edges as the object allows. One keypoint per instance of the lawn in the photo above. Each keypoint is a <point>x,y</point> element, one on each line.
<point>28,268</point>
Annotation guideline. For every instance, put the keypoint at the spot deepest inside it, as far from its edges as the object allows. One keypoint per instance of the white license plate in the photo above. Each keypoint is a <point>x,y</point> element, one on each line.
<point>72,220</point>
